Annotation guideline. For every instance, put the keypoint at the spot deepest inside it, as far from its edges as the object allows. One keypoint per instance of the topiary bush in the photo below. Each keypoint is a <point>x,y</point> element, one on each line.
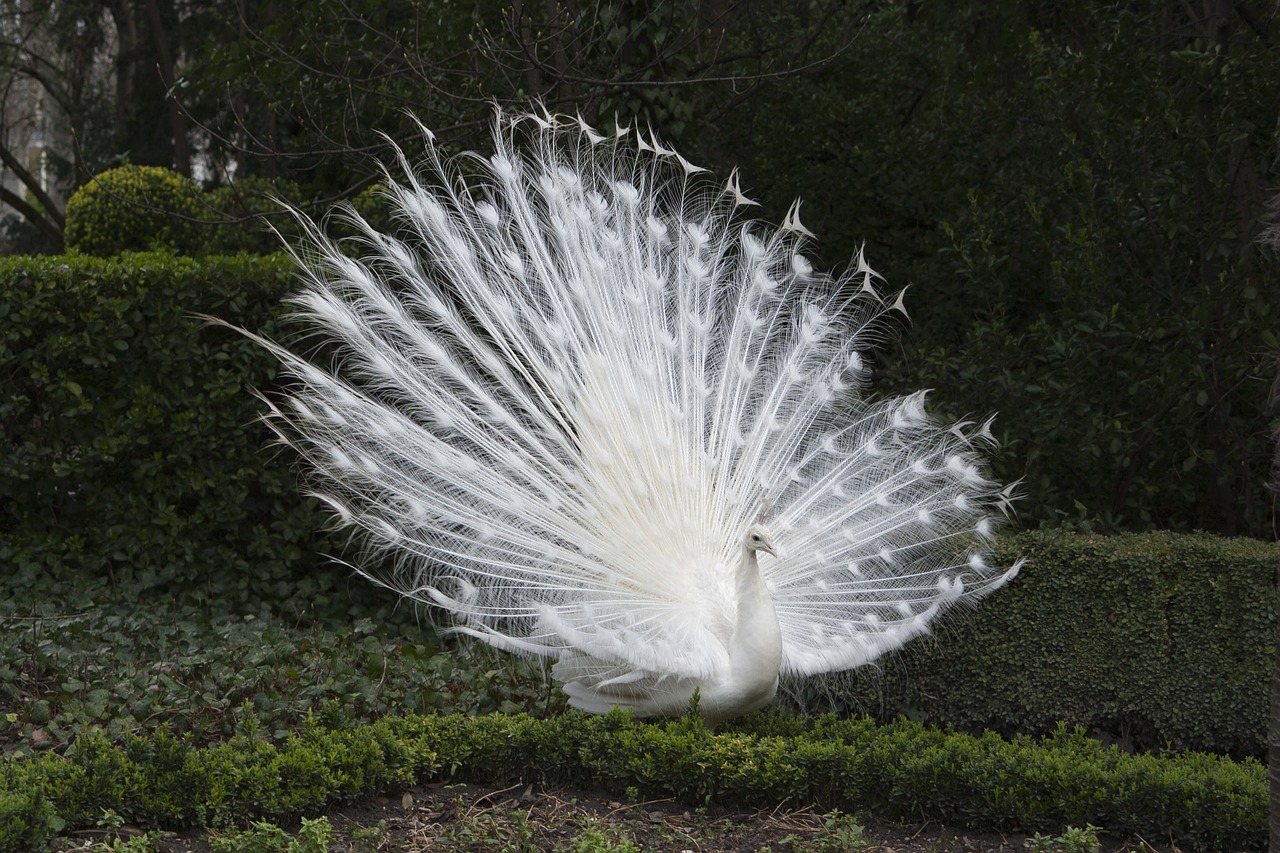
<point>145,208</point>
<point>135,208</point>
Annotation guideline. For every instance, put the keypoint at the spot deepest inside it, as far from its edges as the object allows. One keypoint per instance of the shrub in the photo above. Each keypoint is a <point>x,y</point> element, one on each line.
<point>374,207</point>
<point>135,208</point>
<point>132,452</point>
<point>1151,640</point>
<point>899,771</point>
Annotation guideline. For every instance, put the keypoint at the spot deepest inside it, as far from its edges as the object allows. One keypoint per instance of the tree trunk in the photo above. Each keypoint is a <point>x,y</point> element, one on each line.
<point>177,121</point>
<point>1274,729</point>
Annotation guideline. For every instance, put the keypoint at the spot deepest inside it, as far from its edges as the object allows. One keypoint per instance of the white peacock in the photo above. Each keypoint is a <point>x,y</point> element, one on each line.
<point>567,386</point>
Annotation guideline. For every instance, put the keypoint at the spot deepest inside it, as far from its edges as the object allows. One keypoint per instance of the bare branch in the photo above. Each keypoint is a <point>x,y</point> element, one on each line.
<point>51,229</point>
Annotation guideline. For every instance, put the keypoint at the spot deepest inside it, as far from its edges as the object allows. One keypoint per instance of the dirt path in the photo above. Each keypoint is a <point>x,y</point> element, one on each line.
<point>441,817</point>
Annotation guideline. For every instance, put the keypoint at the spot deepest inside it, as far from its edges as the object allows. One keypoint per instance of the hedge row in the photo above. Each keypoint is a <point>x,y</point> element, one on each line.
<point>903,771</point>
<point>1146,639</point>
<point>130,445</point>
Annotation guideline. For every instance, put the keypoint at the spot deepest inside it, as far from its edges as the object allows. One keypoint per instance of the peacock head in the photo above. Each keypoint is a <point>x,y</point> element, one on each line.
<point>758,539</point>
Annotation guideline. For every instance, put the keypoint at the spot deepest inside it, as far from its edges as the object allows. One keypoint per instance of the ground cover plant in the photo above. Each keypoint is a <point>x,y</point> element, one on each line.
<point>134,664</point>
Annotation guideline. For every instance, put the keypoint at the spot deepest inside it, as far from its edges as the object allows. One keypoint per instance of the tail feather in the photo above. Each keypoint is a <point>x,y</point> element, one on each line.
<point>570,382</point>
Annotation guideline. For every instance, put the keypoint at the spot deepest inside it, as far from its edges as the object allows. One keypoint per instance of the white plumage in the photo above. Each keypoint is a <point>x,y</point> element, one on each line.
<point>599,416</point>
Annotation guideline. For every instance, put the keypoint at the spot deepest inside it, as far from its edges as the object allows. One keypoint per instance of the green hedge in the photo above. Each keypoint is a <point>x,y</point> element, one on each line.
<point>903,771</point>
<point>131,451</point>
<point>1149,639</point>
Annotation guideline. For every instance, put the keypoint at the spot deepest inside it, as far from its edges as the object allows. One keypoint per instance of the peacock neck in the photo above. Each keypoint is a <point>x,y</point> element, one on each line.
<point>755,649</point>
<point>750,584</point>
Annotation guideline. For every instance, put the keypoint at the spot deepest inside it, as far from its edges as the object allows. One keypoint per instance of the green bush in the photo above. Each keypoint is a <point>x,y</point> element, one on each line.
<point>144,208</point>
<point>1148,639</point>
<point>135,208</point>
<point>245,216</point>
<point>131,450</point>
<point>899,771</point>
<point>375,208</point>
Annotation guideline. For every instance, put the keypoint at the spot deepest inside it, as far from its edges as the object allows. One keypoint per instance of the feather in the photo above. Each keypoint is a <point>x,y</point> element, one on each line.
<point>567,387</point>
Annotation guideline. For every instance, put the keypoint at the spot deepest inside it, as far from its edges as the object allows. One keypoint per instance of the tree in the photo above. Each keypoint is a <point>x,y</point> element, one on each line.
<point>306,90</point>
<point>318,85</point>
<point>1075,196</point>
<point>1271,238</point>
<point>85,84</point>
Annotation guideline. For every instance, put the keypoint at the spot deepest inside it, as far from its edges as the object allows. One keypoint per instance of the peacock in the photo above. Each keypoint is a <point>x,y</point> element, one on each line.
<point>575,398</point>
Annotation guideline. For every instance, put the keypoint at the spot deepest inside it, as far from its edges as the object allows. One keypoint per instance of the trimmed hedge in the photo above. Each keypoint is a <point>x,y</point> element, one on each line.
<point>131,450</point>
<point>903,771</point>
<point>135,208</point>
<point>1149,639</point>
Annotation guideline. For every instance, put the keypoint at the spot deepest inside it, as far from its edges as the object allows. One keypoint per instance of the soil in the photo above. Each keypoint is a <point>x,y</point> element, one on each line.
<point>442,817</point>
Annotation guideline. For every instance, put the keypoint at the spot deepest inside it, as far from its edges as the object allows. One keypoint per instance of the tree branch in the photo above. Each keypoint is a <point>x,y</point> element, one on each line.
<point>34,216</point>
<point>29,181</point>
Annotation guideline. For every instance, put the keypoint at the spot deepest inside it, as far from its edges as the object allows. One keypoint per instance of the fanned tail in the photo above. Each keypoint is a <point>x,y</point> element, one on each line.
<point>567,385</point>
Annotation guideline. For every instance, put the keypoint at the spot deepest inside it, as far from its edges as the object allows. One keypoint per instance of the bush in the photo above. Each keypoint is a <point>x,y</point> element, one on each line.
<point>245,215</point>
<point>1148,639</point>
<point>131,450</point>
<point>135,208</point>
<point>901,771</point>
<point>144,208</point>
<point>374,207</point>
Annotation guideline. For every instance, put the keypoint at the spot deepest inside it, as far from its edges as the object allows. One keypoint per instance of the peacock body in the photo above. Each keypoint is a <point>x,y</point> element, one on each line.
<point>597,415</point>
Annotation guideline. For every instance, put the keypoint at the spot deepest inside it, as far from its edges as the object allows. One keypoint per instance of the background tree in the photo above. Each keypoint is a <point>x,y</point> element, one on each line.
<point>307,91</point>
<point>310,89</point>
<point>1271,239</point>
<point>47,89</point>
<point>1075,191</point>
<point>84,85</point>
<point>1076,196</point>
